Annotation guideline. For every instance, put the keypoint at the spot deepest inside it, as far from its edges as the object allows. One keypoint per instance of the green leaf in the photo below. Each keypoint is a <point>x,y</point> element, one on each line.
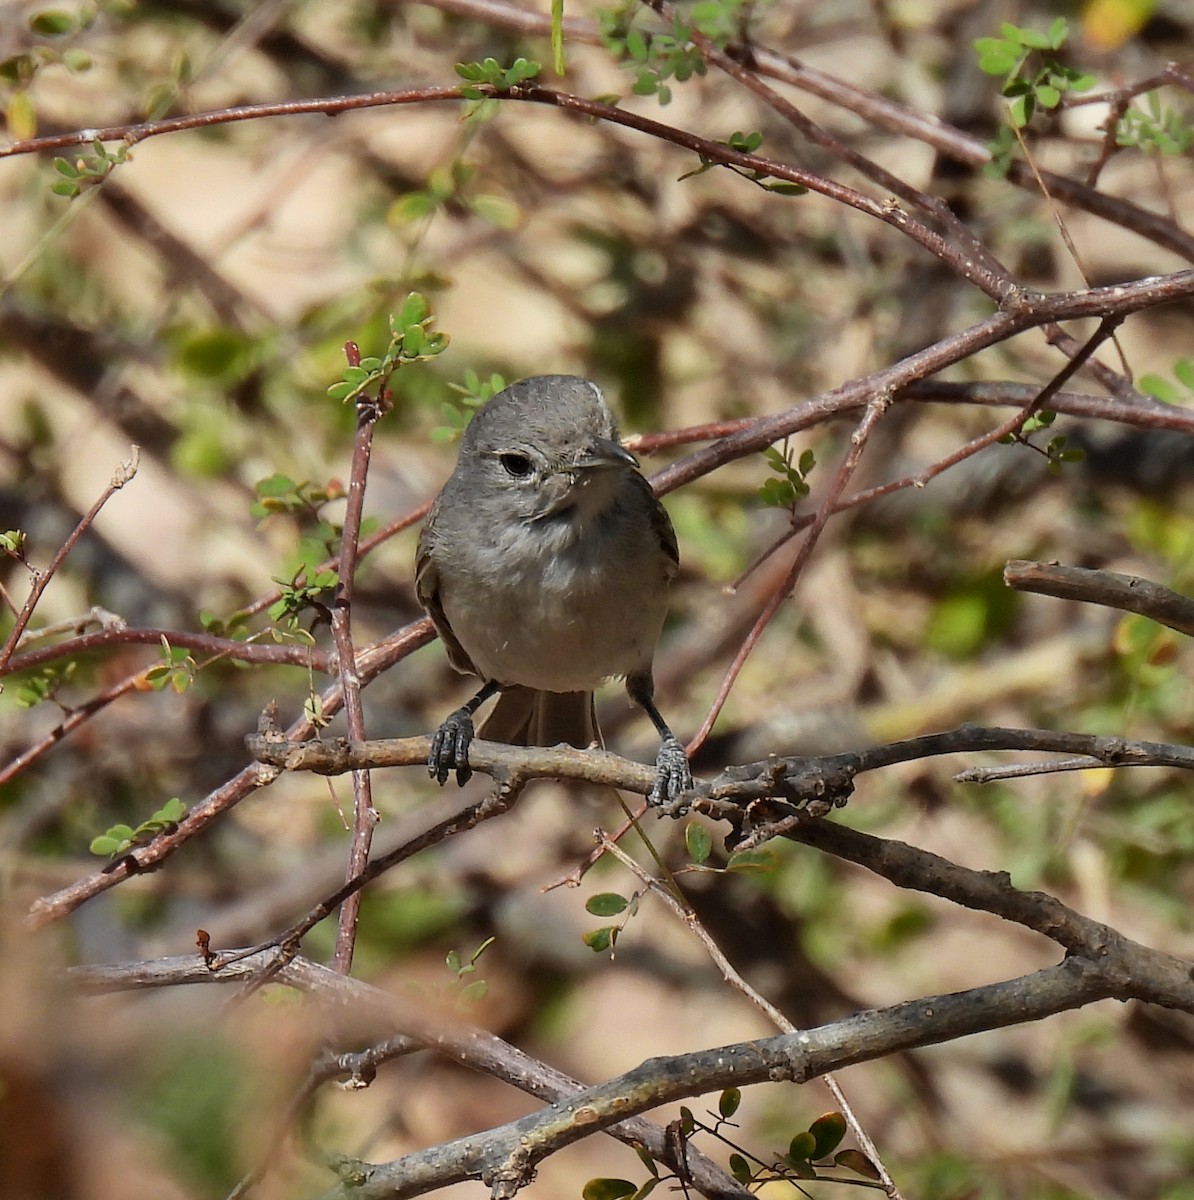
<point>997,62</point>
<point>698,841</point>
<point>752,860</point>
<point>740,1168</point>
<point>1183,371</point>
<point>52,23</point>
<point>600,940</point>
<point>802,1147</point>
<point>474,991</point>
<point>1160,388</point>
<point>105,845</point>
<point>275,485</point>
<point>1047,97</point>
<point>728,1102</point>
<point>827,1131</point>
<point>608,1189</point>
<point>173,810</point>
<point>606,904</point>
<point>1035,40</point>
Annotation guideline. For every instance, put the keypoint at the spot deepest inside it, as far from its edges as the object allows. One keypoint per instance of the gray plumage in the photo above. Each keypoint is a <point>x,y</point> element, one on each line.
<point>545,564</point>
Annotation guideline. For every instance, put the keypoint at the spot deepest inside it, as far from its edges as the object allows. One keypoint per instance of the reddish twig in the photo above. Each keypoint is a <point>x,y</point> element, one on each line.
<point>858,439</point>
<point>365,816</point>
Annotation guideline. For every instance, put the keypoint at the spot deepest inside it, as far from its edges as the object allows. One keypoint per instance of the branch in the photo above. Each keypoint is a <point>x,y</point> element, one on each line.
<point>505,1157</point>
<point>371,663</point>
<point>1128,592</point>
<point>363,1004</point>
<point>365,816</point>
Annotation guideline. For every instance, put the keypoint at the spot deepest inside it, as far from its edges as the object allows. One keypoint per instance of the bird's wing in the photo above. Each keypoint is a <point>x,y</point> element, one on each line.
<point>427,584</point>
<point>661,524</point>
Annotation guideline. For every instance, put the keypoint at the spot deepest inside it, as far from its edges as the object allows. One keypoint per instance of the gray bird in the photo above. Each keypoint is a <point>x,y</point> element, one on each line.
<point>545,564</point>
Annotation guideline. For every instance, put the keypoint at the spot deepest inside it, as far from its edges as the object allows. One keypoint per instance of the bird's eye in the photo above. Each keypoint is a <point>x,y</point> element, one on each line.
<point>517,465</point>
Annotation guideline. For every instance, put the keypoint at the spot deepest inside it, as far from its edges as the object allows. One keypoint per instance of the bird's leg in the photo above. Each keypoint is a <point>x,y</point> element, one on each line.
<point>672,773</point>
<point>449,746</point>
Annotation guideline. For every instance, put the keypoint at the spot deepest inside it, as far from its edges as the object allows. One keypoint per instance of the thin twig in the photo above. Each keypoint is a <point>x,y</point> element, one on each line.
<point>365,816</point>
<point>875,409</point>
<point>1025,770</point>
<point>681,909</point>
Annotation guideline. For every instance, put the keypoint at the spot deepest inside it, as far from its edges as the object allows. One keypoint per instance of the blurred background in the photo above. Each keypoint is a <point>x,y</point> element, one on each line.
<point>194,299</point>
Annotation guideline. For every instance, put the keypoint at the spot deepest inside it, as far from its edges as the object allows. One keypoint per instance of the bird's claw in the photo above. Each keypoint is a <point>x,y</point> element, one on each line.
<point>449,749</point>
<point>673,776</point>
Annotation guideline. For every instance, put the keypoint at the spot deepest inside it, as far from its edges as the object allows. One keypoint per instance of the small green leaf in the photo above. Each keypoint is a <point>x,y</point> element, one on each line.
<point>698,841</point>
<point>728,1102</point>
<point>802,1147</point>
<point>600,940</point>
<point>607,1189</point>
<point>740,1168</point>
<point>474,991</point>
<point>1047,97</point>
<point>1183,371</point>
<point>1159,387</point>
<point>606,904</point>
<point>52,23</point>
<point>827,1131</point>
<point>752,860</point>
<point>173,810</point>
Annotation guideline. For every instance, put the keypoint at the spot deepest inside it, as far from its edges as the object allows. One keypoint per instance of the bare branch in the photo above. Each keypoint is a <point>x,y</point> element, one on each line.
<point>1128,592</point>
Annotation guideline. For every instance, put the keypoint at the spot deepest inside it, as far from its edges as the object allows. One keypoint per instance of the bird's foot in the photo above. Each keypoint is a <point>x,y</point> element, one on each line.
<point>673,776</point>
<point>449,749</point>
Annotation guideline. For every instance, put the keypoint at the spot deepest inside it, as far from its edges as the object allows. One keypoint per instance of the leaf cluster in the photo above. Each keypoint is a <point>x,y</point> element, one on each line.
<point>19,70</point>
<point>808,1156</point>
<point>470,396</point>
<point>1033,75</point>
<point>654,57</point>
<point>789,483</point>
<point>494,76</point>
<point>86,170</point>
<point>412,339</point>
<point>1155,128</point>
<point>119,839</point>
<point>748,143</point>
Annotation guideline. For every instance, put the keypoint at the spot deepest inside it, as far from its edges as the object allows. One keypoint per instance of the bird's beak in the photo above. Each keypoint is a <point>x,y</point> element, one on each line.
<point>603,453</point>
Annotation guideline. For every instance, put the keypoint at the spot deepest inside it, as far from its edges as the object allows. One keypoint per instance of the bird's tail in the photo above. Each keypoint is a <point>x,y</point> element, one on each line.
<point>526,717</point>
